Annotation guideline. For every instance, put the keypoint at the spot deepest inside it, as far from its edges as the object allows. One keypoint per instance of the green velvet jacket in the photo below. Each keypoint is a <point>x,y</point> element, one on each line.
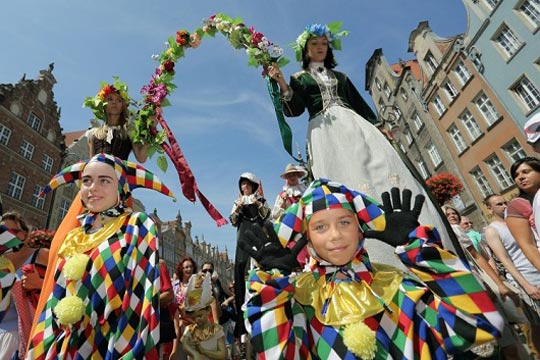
<point>306,94</point>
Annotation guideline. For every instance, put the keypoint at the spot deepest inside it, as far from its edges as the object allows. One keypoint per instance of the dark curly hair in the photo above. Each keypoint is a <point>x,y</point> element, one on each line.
<point>180,270</point>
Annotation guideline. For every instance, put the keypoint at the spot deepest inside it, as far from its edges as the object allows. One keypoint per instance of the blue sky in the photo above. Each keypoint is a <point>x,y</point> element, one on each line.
<point>221,113</point>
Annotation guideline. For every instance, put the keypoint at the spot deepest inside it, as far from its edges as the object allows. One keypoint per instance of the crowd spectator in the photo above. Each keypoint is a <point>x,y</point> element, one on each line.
<point>518,270</point>
<point>484,266</point>
<point>249,210</point>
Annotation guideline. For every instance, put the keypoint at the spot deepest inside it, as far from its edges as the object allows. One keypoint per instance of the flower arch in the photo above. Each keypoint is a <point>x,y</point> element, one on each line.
<point>260,52</point>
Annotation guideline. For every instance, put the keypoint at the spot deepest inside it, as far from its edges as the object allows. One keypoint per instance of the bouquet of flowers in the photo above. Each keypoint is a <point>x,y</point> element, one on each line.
<point>444,186</point>
<point>40,238</point>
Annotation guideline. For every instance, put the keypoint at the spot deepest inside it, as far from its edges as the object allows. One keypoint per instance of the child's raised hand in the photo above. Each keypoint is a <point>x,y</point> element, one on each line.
<point>269,252</point>
<point>400,218</point>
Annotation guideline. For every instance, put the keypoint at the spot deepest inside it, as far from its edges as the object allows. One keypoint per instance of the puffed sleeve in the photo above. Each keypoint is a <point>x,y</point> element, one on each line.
<point>456,306</point>
<point>138,324</point>
<point>278,323</point>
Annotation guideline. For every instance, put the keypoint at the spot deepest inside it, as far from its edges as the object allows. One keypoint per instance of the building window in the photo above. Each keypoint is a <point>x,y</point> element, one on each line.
<point>481,182</point>
<point>514,150</point>
<point>26,150</point>
<point>530,10</point>
<point>34,122</point>
<point>387,90</point>
<point>418,123</point>
<point>404,95</point>
<point>38,201</point>
<point>487,108</point>
<point>491,3</point>
<point>507,41</point>
<point>47,163</point>
<point>5,134</point>
<point>64,207</point>
<point>471,125</point>
<point>457,138</point>
<point>438,105</point>
<point>527,93</point>
<point>378,84</point>
<point>422,167</point>
<point>499,172</point>
<point>408,137</point>
<point>462,73</point>
<point>450,90</point>
<point>16,186</point>
<point>430,61</point>
<point>434,154</point>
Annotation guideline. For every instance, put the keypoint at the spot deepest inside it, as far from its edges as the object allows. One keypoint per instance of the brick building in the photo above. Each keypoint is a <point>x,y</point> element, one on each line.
<point>31,144</point>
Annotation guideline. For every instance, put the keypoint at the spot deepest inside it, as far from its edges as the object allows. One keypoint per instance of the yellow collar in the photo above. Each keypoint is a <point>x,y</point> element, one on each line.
<point>78,242</point>
<point>350,301</point>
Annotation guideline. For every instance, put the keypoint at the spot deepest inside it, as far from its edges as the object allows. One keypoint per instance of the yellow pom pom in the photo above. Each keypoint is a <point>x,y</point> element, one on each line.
<point>360,340</point>
<point>75,266</point>
<point>69,310</point>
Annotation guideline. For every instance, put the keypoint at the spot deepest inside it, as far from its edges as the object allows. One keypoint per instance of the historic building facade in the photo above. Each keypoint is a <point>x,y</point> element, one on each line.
<point>31,145</point>
<point>502,41</point>
<point>447,118</point>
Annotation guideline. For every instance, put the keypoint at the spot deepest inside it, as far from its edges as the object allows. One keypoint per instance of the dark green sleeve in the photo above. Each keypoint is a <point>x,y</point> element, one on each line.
<point>296,106</point>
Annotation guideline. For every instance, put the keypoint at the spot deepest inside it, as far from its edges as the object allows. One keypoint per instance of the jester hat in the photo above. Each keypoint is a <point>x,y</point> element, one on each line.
<point>331,31</point>
<point>130,176</point>
<point>323,194</point>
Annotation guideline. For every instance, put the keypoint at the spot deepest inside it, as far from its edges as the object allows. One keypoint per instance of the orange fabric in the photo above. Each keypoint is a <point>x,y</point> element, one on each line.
<point>69,223</point>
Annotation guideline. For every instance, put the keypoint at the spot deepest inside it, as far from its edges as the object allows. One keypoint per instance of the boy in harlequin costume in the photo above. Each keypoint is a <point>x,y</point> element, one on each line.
<point>204,339</point>
<point>105,298</point>
<point>345,307</point>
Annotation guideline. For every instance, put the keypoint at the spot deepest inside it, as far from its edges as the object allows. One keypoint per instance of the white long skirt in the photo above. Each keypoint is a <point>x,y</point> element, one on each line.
<point>346,148</point>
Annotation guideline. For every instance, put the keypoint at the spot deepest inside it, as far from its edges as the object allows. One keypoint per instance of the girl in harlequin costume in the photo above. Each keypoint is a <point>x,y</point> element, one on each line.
<point>344,139</point>
<point>203,339</point>
<point>110,106</point>
<point>343,306</point>
<point>105,297</point>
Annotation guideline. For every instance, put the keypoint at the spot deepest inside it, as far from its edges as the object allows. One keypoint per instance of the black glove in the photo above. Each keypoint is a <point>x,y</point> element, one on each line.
<point>269,252</point>
<point>400,218</point>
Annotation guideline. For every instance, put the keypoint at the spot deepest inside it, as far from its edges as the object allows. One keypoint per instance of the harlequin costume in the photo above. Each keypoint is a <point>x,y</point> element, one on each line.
<point>105,299</point>
<point>378,311</point>
<point>112,140</point>
<point>343,139</point>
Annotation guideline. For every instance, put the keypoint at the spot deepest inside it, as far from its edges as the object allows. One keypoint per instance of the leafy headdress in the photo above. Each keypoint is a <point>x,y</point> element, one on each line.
<point>331,31</point>
<point>98,102</point>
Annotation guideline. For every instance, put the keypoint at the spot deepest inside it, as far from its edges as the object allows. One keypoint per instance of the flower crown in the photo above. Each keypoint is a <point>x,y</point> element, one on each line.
<point>98,102</point>
<point>331,31</point>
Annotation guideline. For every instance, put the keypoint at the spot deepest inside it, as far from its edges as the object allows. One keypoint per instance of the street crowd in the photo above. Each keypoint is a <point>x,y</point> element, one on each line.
<point>305,285</point>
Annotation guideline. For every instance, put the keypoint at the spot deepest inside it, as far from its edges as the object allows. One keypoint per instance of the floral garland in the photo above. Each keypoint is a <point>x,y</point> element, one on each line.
<point>444,186</point>
<point>260,51</point>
